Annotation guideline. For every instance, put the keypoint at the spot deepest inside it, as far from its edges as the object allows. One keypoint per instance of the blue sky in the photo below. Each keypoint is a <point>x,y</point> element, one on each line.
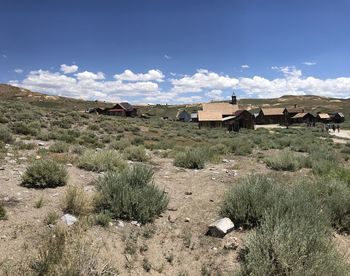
<point>176,51</point>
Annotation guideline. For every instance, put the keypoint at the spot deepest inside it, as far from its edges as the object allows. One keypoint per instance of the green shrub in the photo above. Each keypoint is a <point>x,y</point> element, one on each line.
<point>191,159</point>
<point>120,145</point>
<point>135,153</point>
<point>59,147</point>
<point>6,135</point>
<point>26,129</point>
<point>246,202</point>
<point>3,215</point>
<point>101,161</point>
<point>45,174</point>
<point>291,245</point>
<point>284,161</point>
<point>103,219</point>
<point>335,197</point>
<point>131,194</point>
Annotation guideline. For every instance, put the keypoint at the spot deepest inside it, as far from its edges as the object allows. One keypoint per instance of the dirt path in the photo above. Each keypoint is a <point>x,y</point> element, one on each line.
<point>343,134</point>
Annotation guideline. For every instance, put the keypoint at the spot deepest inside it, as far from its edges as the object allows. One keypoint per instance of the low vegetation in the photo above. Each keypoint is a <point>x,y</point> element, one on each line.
<point>130,194</point>
<point>293,234</point>
<point>45,174</point>
<point>76,201</point>
<point>101,161</point>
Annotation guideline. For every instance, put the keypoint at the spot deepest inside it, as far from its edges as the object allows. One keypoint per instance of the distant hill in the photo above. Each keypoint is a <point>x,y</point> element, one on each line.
<point>310,103</point>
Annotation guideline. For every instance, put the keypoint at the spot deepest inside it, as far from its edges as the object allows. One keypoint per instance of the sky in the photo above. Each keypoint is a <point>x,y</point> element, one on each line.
<point>179,51</point>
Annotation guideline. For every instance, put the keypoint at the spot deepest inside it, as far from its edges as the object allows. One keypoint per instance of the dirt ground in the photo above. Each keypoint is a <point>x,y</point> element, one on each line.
<point>179,245</point>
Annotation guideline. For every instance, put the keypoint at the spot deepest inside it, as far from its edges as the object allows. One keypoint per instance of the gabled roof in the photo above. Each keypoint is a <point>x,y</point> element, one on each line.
<point>126,106</point>
<point>224,108</point>
<point>273,111</point>
<point>209,115</point>
<point>340,114</point>
<point>301,115</point>
<point>295,110</point>
<point>323,116</point>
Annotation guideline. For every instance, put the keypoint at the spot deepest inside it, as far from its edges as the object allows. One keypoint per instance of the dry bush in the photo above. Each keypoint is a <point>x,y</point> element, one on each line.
<point>76,201</point>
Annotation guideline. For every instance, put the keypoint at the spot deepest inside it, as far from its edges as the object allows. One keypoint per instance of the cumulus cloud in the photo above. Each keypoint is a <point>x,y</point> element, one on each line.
<point>4,56</point>
<point>18,71</point>
<point>85,85</point>
<point>202,80</point>
<point>203,85</point>
<point>90,76</point>
<point>215,94</point>
<point>245,66</point>
<point>294,83</point>
<point>309,63</point>
<point>151,75</point>
<point>68,69</point>
<point>167,57</point>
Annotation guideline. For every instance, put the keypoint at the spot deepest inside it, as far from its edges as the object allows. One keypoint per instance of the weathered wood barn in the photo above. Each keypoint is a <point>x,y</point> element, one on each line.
<point>272,116</point>
<point>123,109</point>
<point>303,117</point>
<point>194,117</point>
<point>240,119</point>
<point>323,118</point>
<point>337,117</point>
<point>292,111</point>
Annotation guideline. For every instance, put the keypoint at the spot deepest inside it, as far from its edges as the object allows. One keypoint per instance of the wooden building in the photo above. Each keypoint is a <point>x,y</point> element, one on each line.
<point>303,117</point>
<point>123,109</point>
<point>194,117</point>
<point>323,118</point>
<point>292,111</point>
<point>236,121</point>
<point>337,117</point>
<point>183,116</point>
<point>272,116</point>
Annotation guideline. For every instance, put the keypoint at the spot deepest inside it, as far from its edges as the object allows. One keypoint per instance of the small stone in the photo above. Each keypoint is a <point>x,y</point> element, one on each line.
<point>41,144</point>
<point>188,193</point>
<point>22,158</point>
<point>51,225</point>
<point>171,219</point>
<point>69,165</point>
<point>225,161</point>
<point>2,168</point>
<point>213,178</point>
<point>69,219</point>
<point>110,223</point>
<point>220,227</point>
<point>37,157</point>
<point>187,219</point>
<point>172,209</point>
<point>120,224</point>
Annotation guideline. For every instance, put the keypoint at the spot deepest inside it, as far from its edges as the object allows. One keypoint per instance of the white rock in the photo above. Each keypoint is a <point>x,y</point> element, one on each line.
<point>69,165</point>
<point>187,219</point>
<point>220,227</point>
<point>41,144</point>
<point>225,160</point>
<point>120,224</point>
<point>69,219</point>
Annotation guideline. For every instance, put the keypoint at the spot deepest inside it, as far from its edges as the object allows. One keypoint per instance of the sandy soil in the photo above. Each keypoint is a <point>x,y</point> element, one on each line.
<point>179,244</point>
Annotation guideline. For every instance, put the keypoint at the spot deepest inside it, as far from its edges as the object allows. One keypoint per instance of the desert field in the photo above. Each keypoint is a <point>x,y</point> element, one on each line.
<point>86,194</point>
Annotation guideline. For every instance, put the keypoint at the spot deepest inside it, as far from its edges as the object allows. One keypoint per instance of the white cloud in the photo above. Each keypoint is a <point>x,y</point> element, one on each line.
<point>167,57</point>
<point>86,85</point>
<point>151,75</point>
<point>309,63</point>
<point>18,71</point>
<point>245,66</point>
<point>68,69</point>
<point>215,94</point>
<point>202,80</point>
<point>145,87</point>
<point>86,76</point>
